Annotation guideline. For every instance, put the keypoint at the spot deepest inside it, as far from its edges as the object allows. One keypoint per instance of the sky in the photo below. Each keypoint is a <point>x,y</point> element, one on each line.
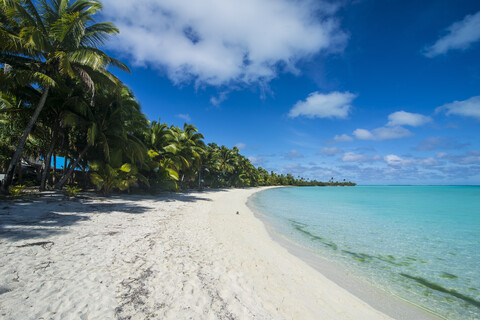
<point>372,91</point>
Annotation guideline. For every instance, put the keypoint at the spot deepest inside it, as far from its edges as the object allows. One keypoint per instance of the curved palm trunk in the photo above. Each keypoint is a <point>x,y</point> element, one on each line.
<point>48,160</point>
<point>7,181</point>
<point>72,167</point>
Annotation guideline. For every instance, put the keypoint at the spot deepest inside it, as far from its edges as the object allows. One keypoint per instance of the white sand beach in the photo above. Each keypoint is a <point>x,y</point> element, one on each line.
<point>176,256</point>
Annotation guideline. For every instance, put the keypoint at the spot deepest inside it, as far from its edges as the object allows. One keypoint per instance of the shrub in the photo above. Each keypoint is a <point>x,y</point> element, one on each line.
<point>72,191</point>
<point>16,191</point>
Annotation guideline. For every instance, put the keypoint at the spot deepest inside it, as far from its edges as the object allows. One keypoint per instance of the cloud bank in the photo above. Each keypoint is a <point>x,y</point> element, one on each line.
<point>223,42</point>
<point>318,105</point>
<point>460,35</point>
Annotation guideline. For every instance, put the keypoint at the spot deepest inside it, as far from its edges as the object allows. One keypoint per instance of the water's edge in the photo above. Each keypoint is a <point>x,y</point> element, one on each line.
<point>381,300</point>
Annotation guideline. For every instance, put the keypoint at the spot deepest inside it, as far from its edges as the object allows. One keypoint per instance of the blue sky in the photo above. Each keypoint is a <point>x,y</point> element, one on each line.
<point>377,92</point>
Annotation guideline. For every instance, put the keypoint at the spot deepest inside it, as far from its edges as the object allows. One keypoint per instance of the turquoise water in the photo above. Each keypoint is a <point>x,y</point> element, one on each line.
<point>421,243</point>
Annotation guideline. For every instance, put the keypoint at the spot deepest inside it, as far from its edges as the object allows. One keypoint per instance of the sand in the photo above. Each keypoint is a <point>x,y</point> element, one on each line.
<point>175,256</point>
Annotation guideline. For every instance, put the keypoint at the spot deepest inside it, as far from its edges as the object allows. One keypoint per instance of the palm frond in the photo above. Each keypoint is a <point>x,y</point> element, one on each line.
<point>84,5</point>
<point>32,11</point>
<point>92,134</point>
<point>95,58</point>
<point>96,34</point>
<point>43,79</point>
<point>71,119</point>
<point>67,26</point>
<point>64,64</point>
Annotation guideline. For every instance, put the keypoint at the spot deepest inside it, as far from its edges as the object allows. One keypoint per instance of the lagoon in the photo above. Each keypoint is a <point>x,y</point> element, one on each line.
<point>420,243</point>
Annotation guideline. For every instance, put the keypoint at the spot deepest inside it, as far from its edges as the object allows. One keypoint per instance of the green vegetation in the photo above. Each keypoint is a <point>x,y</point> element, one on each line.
<point>72,191</point>
<point>57,100</point>
<point>16,191</point>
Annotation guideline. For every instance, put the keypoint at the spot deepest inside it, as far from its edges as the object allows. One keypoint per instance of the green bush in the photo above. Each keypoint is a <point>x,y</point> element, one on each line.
<point>72,191</point>
<point>16,191</point>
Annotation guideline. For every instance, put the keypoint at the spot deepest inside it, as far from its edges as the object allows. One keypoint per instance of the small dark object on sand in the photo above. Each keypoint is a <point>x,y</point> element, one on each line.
<point>238,212</point>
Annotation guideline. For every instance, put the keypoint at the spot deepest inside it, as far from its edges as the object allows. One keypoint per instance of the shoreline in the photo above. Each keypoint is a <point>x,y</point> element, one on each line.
<point>172,256</point>
<point>380,299</point>
<point>292,287</point>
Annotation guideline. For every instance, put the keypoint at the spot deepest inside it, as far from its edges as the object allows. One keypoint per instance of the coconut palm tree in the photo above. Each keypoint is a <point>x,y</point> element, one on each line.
<point>42,41</point>
<point>188,146</point>
<point>108,127</point>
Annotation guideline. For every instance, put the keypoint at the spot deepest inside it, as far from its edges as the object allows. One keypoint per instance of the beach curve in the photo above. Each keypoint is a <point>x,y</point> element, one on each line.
<point>176,256</point>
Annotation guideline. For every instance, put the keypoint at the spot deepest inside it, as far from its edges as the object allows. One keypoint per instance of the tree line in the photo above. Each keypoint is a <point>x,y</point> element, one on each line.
<point>58,100</point>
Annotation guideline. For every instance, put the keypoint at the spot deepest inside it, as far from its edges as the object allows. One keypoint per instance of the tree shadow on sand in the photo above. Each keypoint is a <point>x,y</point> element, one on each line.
<point>186,196</point>
<point>40,217</point>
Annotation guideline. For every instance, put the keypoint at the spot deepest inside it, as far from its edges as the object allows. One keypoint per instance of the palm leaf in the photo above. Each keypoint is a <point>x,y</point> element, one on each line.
<point>172,173</point>
<point>92,134</point>
<point>126,167</point>
<point>171,148</point>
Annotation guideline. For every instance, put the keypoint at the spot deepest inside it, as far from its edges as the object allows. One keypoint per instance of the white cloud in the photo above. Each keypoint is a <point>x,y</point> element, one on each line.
<point>342,138</point>
<point>442,155</point>
<point>241,145</point>
<point>382,133</point>
<point>468,158</point>
<point>318,105</point>
<point>355,157</point>
<point>216,101</point>
<point>467,108</point>
<point>256,161</point>
<point>402,118</point>
<point>396,161</point>
<point>220,42</point>
<point>429,162</point>
<point>445,143</point>
<point>392,130</point>
<point>363,134</point>
<point>330,151</point>
<point>185,117</point>
<point>460,36</point>
<point>293,154</point>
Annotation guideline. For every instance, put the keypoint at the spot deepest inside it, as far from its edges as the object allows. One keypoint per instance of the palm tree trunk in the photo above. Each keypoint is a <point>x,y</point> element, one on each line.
<point>20,178</point>
<point>71,168</point>
<point>48,160</point>
<point>84,177</point>
<point>54,168</point>
<point>7,181</point>
<point>199,180</point>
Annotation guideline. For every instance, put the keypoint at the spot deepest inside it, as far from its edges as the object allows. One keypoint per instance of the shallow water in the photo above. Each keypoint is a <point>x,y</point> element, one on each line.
<point>421,243</point>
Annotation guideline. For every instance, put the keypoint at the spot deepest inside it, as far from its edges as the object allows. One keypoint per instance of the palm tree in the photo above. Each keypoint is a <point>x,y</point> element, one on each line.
<point>227,159</point>
<point>189,146</point>
<point>108,126</point>
<point>244,173</point>
<point>49,40</point>
<point>61,98</point>
<point>161,163</point>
